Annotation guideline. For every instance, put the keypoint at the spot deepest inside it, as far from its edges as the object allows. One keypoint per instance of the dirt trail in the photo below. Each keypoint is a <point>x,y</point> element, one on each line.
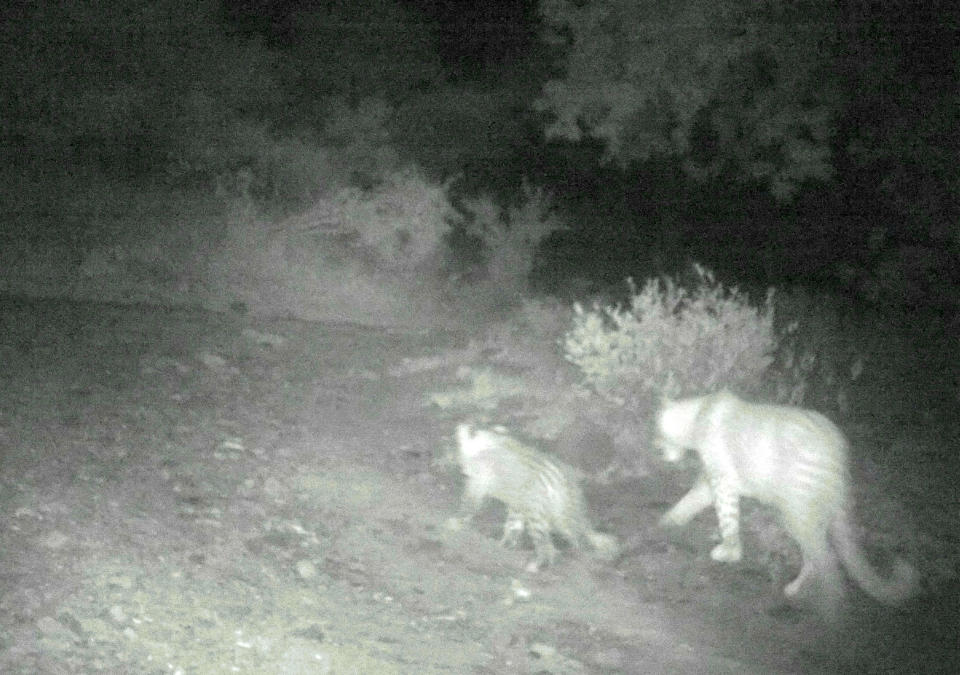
<point>183,492</point>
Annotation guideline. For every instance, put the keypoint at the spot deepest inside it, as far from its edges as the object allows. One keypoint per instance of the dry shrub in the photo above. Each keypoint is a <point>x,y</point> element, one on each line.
<point>672,340</point>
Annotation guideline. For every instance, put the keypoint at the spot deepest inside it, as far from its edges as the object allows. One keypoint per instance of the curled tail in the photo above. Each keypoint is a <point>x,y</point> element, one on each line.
<point>902,582</point>
<point>605,545</point>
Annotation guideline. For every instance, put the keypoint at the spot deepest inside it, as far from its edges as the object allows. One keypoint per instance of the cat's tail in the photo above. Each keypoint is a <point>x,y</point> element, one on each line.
<point>899,586</point>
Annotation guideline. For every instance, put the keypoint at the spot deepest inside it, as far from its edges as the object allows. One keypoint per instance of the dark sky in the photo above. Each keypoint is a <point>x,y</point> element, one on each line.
<point>484,30</point>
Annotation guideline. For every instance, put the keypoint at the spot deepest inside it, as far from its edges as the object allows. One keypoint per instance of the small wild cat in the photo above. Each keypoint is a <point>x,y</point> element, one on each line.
<point>790,458</point>
<point>541,493</point>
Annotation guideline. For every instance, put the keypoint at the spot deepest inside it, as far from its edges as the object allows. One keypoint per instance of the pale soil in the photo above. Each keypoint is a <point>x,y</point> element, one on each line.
<point>176,496</point>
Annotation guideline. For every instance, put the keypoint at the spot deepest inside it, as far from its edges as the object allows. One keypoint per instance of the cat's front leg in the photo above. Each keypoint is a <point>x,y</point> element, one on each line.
<point>696,500</point>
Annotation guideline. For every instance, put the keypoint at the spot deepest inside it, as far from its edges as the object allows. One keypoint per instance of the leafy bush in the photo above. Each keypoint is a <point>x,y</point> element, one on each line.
<point>672,340</point>
<point>247,160</point>
<point>731,88</point>
<point>368,256</point>
<point>511,236</point>
<point>397,227</point>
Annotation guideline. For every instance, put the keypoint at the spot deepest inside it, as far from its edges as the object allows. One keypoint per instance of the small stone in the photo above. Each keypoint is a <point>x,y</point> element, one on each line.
<point>267,339</point>
<point>519,592</point>
<point>212,361</point>
<point>542,651</point>
<point>306,569</point>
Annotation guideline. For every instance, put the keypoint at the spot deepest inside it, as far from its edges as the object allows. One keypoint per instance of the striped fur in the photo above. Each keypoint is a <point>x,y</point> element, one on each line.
<point>542,494</point>
<point>790,458</point>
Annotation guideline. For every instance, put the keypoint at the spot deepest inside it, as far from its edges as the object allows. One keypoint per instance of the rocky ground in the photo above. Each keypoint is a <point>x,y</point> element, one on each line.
<point>186,492</point>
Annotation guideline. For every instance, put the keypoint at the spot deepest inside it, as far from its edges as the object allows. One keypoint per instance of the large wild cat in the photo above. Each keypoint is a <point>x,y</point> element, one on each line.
<point>790,458</point>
